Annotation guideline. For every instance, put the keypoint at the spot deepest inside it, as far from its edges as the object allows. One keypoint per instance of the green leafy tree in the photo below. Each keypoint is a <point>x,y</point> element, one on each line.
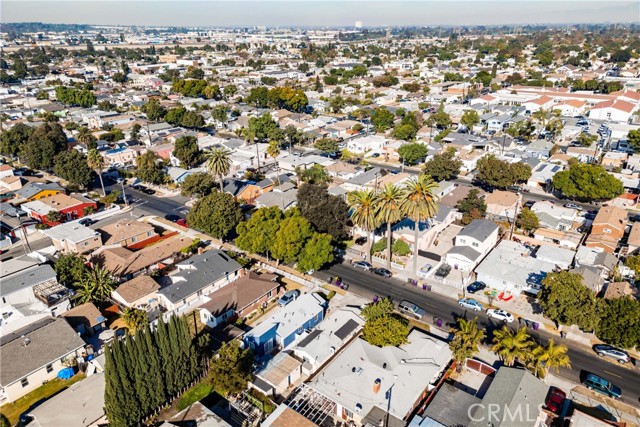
<point>216,214</point>
<point>620,322</point>
<point>566,300</point>
<point>315,174</point>
<point>186,150</point>
<point>587,183</point>
<point>291,238</point>
<point>586,140</point>
<point>382,119</point>
<point>71,165</point>
<point>53,217</point>
<point>633,262</point>
<point>154,110</point>
<point>441,118</point>
<point>317,252</point>
<point>70,268</point>
<point>198,184</point>
<point>43,145</point>
<point>230,370</point>
<point>150,169</point>
<point>192,120</point>
<point>174,116</point>
<point>413,152</point>
<point>218,163</point>
<point>499,173</point>
<point>12,140</point>
<point>259,232</point>
<point>470,118</point>
<point>443,166</point>
<point>326,212</point>
<point>512,346</point>
<point>95,284</point>
<point>383,307</point>
<point>528,220</point>
<point>135,319</point>
<point>466,339</point>
<point>75,97</point>
<point>419,205</point>
<point>401,248</point>
<point>634,139</point>
<point>386,331</point>
<point>85,136</point>
<point>472,206</point>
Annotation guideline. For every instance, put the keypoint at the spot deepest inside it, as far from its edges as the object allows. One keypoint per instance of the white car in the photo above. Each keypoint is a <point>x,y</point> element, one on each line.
<point>500,315</point>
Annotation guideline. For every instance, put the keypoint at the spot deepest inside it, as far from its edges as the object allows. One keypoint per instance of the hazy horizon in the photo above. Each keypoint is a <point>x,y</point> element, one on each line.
<point>309,13</point>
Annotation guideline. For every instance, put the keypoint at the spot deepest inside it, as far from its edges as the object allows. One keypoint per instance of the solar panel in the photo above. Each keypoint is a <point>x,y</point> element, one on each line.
<point>346,329</point>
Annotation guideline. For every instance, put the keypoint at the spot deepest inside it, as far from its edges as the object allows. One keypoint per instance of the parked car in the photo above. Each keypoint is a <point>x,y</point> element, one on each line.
<point>605,350</point>
<point>572,206</point>
<point>182,222</point>
<point>499,314</point>
<point>528,204</point>
<point>443,271</point>
<point>555,399</point>
<point>288,297</point>
<point>139,187</point>
<point>172,217</point>
<point>361,240</point>
<point>86,222</point>
<point>475,287</point>
<point>424,270</point>
<point>148,191</point>
<point>382,272</point>
<point>471,304</point>
<point>411,309</point>
<point>599,384</point>
<point>363,265</point>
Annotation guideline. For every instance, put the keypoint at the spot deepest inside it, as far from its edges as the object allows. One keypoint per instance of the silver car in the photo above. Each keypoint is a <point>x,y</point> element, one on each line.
<point>500,315</point>
<point>411,309</point>
<point>604,350</point>
<point>471,304</point>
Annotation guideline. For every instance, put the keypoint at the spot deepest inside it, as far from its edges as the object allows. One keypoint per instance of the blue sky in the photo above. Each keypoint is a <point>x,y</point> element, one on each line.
<point>320,13</point>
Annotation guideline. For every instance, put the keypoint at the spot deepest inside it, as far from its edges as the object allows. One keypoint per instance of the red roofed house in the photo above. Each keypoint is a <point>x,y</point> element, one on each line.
<point>70,207</point>
<point>571,108</point>
<point>627,95</point>
<point>544,102</point>
<point>619,111</point>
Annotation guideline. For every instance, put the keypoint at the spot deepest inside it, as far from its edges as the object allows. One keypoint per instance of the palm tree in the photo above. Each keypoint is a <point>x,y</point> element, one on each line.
<point>95,284</point>
<point>96,162</point>
<point>85,136</point>
<point>363,212</point>
<point>273,150</point>
<point>389,210</point>
<point>553,356</point>
<point>510,345</point>
<point>419,204</point>
<point>218,163</point>
<point>466,339</point>
<point>135,319</point>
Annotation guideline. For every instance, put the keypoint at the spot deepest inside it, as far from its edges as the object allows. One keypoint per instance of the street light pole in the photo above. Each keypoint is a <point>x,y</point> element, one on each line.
<point>124,195</point>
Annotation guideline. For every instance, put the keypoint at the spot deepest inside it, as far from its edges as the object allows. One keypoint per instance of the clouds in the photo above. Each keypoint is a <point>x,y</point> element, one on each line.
<point>319,13</point>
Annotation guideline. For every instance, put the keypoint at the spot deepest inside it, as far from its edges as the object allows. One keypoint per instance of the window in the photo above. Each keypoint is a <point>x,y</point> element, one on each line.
<point>317,317</point>
<point>49,368</point>
<point>268,295</point>
<point>148,233</point>
<point>462,241</point>
<point>475,245</point>
<point>200,292</point>
<point>133,239</point>
<point>24,382</point>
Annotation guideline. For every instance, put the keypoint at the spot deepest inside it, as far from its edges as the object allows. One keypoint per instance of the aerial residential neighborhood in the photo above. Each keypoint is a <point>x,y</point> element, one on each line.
<point>403,222</point>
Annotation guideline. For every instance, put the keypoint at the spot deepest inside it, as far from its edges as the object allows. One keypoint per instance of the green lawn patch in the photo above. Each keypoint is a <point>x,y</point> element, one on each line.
<point>13,410</point>
<point>195,394</point>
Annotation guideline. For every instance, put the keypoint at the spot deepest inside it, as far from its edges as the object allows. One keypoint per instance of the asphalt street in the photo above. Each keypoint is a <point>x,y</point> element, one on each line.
<point>583,359</point>
<point>153,205</point>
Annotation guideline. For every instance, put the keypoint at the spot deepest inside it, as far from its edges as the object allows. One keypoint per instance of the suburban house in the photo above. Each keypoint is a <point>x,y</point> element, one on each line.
<point>565,239</point>
<point>512,391</point>
<point>615,110</point>
<point>86,319</point>
<point>196,278</point>
<point>239,298</point>
<point>72,237</point>
<point>287,325</point>
<point>128,233</point>
<point>633,241</point>
<point>69,207</point>
<point>37,190</point>
<point>284,196</point>
<point>364,383</point>
<point>277,375</point>
<point>607,229</point>
<point>554,216</point>
<point>138,293</point>
<point>542,174</point>
<point>427,230</point>
<point>329,337</point>
<point>510,267</point>
<point>35,354</point>
<point>502,204</point>
<point>367,145</point>
<point>125,263</point>
<point>472,244</point>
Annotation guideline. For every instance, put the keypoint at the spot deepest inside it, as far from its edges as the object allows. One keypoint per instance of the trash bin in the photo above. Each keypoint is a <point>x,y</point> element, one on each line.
<point>330,280</point>
<point>424,286</point>
<point>535,326</point>
<point>439,323</point>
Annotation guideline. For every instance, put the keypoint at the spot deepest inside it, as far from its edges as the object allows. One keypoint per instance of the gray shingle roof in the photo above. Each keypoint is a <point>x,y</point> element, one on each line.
<point>26,279</point>
<point>204,269</point>
<point>479,229</point>
<point>450,406</point>
<point>34,188</point>
<point>50,339</point>
<point>467,252</point>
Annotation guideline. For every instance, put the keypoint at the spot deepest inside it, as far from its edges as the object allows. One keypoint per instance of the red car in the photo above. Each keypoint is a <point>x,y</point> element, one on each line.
<point>555,399</point>
<point>182,222</point>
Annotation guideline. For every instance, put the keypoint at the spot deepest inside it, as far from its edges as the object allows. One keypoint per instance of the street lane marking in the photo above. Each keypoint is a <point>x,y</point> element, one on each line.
<point>610,373</point>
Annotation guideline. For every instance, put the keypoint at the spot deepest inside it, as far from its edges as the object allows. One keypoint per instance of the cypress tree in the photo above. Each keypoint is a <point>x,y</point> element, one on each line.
<point>192,352</point>
<point>130,403</point>
<point>113,392</point>
<point>177,354</point>
<point>140,365</point>
<point>156,383</point>
<point>162,339</point>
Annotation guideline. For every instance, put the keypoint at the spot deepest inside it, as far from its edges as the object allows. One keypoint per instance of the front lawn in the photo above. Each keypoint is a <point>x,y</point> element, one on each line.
<point>195,394</point>
<point>13,410</point>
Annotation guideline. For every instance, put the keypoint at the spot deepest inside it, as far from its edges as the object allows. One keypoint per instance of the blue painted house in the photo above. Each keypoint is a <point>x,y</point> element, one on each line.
<point>282,328</point>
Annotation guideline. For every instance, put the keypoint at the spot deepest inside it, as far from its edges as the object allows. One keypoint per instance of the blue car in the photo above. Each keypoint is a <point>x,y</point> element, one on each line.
<point>475,287</point>
<point>288,297</point>
<point>471,304</point>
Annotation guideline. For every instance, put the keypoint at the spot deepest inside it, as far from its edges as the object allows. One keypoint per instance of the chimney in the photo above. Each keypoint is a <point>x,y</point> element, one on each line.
<point>200,250</point>
<point>376,385</point>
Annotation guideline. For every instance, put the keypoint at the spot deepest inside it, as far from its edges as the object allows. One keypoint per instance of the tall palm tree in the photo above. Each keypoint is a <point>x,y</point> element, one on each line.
<point>95,284</point>
<point>466,339</point>
<point>554,356</point>
<point>218,163</point>
<point>273,151</point>
<point>389,210</point>
<point>84,135</point>
<point>510,345</point>
<point>362,205</point>
<point>96,162</point>
<point>419,204</point>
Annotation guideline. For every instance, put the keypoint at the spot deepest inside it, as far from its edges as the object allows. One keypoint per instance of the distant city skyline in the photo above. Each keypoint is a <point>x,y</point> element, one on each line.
<point>309,13</point>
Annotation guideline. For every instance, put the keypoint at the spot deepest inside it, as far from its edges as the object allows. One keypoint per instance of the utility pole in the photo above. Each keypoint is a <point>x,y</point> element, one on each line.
<point>515,216</point>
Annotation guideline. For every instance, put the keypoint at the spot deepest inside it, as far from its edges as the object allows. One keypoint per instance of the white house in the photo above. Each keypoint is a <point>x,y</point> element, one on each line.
<point>367,145</point>
<point>617,111</point>
<point>472,244</point>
